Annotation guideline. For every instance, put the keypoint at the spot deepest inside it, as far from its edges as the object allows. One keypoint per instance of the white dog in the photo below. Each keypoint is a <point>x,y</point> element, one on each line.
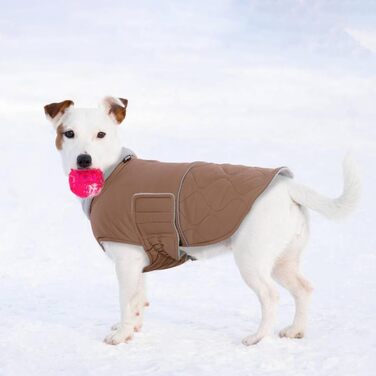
<point>266,247</point>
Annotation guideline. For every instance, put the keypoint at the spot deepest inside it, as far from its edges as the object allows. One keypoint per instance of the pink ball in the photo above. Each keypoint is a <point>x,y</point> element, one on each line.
<point>86,183</point>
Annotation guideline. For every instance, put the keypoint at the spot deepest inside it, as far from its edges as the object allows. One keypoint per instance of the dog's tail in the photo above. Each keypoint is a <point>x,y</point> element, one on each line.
<point>335,208</point>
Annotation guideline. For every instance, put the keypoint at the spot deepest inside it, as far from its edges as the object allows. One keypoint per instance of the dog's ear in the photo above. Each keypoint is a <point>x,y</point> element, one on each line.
<point>116,108</point>
<point>54,111</point>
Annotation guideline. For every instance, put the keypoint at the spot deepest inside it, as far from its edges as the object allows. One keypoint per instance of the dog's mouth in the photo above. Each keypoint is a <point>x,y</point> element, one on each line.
<point>86,182</point>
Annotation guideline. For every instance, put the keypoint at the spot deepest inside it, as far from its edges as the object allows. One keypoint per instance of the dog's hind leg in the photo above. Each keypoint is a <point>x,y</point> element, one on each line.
<point>286,272</point>
<point>257,275</point>
<point>258,244</point>
<point>254,257</point>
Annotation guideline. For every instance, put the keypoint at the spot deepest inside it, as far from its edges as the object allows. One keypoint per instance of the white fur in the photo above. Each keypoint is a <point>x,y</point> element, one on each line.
<point>266,248</point>
<point>86,123</point>
<point>332,209</point>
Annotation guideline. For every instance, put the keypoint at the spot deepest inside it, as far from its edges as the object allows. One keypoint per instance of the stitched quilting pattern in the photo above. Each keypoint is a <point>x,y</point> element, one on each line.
<point>215,198</point>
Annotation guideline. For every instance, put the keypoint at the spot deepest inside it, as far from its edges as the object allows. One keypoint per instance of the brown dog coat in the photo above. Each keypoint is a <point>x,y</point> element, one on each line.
<point>162,206</point>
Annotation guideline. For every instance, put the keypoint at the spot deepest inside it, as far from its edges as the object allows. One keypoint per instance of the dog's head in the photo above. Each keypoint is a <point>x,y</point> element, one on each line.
<point>87,138</point>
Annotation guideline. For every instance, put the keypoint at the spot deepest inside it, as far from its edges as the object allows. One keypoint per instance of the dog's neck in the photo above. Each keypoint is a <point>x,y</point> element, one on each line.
<point>125,153</point>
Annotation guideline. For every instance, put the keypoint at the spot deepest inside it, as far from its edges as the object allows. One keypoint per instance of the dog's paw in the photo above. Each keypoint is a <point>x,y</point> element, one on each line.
<point>251,340</point>
<point>119,335</point>
<point>292,332</point>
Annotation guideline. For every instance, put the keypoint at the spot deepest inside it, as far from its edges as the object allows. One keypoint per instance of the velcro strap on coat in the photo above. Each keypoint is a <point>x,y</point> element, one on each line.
<point>154,218</point>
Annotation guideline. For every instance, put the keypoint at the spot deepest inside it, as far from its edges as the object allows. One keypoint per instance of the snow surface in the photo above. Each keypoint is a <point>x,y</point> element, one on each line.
<point>259,83</point>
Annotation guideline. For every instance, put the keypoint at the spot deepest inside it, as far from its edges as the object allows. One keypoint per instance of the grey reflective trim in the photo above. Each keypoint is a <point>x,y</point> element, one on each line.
<point>178,201</point>
<point>285,171</point>
<point>86,202</point>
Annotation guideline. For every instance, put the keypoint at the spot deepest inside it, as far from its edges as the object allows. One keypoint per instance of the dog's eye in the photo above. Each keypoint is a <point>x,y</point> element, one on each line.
<point>101,134</point>
<point>69,134</point>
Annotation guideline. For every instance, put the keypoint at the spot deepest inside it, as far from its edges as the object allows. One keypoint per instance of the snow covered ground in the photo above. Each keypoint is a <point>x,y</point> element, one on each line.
<point>259,83</point>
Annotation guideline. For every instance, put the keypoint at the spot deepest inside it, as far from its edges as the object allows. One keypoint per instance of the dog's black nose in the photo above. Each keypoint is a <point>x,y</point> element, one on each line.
<point>84,161</point>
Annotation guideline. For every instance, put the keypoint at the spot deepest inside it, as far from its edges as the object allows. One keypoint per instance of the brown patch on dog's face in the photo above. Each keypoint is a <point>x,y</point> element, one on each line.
<point>59,137</point>
<point>54,109</point>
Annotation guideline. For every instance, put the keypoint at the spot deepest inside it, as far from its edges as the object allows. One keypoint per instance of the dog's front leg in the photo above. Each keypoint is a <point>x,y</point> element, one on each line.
<point>129,263</point>
<point>138,304</point>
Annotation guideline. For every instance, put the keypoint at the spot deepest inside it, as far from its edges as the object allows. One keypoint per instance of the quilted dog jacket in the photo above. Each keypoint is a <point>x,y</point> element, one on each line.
<point>162,206</point>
